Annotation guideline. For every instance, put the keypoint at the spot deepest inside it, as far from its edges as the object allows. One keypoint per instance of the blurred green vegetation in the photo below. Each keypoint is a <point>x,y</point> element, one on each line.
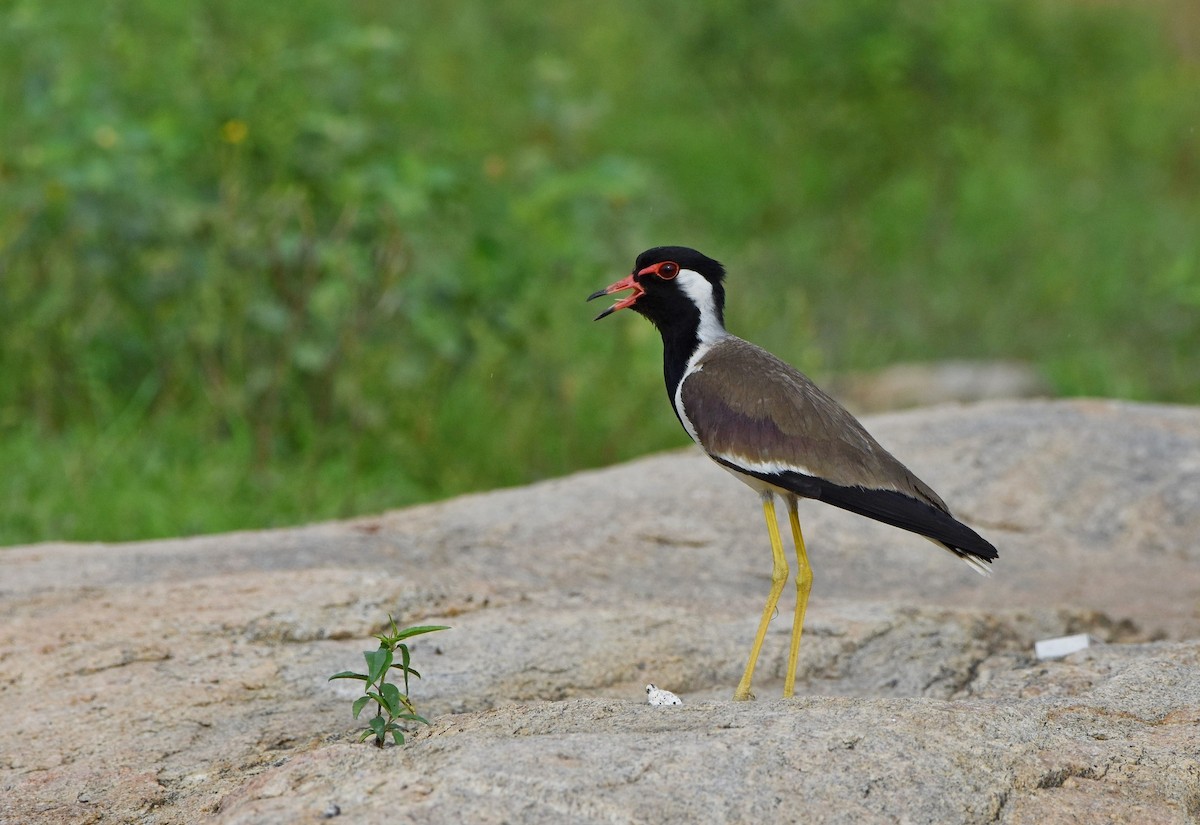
<point>278,262</point>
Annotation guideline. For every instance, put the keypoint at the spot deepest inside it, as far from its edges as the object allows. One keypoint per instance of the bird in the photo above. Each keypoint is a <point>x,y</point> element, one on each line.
<point>769,425</point>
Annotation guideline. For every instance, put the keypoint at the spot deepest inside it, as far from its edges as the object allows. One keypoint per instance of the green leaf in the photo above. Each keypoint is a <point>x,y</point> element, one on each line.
<point>378,662</point>
<point>379,727</point>
<point>402,667</point>
<point>391,698</point>
<point>417,631</point>
<point>365,735</point>
<point>397,736</point>
<point>359,704</point>
<point>348,674</point>
<point>413,717</point>
<point>405,658</point>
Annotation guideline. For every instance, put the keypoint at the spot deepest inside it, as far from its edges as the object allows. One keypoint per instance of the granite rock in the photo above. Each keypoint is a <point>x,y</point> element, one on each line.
<point>182,680</point>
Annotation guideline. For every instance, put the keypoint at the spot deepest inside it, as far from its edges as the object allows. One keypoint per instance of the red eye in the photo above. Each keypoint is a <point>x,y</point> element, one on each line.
<point>668,270</point>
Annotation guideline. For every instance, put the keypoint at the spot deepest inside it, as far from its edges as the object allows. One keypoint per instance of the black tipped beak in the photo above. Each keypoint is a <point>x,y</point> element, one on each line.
<point>600,293</point>
<point>619,286</point>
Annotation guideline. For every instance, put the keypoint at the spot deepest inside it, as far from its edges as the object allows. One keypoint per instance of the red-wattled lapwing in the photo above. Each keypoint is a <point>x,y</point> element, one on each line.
<point>770,426</point>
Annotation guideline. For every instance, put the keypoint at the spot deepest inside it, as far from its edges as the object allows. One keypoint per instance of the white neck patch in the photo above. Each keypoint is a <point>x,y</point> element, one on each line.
<point>700,291</point>
<point>710,331</point>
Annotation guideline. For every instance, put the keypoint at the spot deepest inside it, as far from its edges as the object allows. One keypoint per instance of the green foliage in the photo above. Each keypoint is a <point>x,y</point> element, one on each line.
<point>281,262</point>
<point>392,708</point>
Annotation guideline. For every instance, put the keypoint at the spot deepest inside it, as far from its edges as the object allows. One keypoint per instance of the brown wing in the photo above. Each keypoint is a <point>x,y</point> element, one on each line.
<point>778,417</point>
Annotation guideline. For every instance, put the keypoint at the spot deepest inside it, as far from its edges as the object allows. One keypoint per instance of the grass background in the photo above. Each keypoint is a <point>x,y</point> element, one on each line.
<point>279,262</point>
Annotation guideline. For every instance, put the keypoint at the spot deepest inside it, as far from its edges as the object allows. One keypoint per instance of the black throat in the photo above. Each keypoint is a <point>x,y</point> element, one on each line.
<point>680,341</point>
<point>666,302</point>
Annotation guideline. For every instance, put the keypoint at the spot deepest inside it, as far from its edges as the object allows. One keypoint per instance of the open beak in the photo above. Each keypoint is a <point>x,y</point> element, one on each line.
<point>619,286</point>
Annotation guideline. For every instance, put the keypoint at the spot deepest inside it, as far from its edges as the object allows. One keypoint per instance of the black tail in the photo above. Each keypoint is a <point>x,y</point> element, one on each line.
<point>889,507</point>
<point>913,515</point>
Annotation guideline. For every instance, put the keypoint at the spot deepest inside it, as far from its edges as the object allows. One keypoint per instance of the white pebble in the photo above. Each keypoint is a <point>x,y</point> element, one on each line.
<point>1061,646</point>
<point>658,696</point>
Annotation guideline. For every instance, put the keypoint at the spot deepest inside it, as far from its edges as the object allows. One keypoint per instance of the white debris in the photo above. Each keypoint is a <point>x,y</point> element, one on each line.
<point>658,696</point>
<point>1061,646</point>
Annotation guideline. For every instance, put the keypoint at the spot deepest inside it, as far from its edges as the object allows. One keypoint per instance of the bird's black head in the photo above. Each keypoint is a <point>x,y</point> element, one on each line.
<point>671,284</point>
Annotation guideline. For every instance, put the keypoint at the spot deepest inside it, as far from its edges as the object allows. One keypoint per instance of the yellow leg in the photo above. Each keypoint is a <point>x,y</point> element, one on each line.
<point>779,574</point>
<point>804,579</point>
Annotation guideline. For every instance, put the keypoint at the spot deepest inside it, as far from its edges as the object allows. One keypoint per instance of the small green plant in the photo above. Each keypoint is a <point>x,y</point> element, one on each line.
<point>391,706</point>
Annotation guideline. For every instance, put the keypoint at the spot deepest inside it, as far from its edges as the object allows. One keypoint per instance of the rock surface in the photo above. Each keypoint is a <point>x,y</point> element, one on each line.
<point>186,680</point>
